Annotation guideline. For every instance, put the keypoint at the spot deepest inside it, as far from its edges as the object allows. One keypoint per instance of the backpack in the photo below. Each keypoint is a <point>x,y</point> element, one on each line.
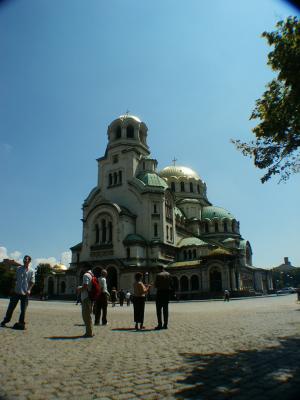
<point>95,291</point>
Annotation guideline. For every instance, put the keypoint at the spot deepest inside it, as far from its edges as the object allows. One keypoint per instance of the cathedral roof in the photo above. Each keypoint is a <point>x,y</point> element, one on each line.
<point>177,172</point>
<point>134,238</point>
<point>152,179</point>
<point>211,212</point>
<point>185,264</point>
<point>219,252</point>
<point>191,241</point>
<point>178,212</point>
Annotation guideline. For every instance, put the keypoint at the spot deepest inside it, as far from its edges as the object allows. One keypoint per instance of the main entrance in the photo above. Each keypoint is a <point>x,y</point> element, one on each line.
<point>215,278</point>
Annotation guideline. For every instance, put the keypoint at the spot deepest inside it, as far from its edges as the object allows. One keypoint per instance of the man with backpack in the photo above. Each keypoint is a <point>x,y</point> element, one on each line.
<point>89,290</point>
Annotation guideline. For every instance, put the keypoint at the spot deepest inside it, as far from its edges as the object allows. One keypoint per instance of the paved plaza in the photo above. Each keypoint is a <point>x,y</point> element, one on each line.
<point>244,349</point>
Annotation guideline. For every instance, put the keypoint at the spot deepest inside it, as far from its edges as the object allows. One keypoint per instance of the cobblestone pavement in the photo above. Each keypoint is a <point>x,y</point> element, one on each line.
<point>244,349</point>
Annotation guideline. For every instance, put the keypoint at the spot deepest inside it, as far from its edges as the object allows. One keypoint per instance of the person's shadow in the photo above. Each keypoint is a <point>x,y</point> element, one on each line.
<point>76,337</point>
<point>134,330</point>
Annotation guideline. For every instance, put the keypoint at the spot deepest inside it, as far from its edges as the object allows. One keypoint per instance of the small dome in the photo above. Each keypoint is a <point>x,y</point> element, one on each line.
<point>176,171</point>
<point>129,116</point>
<point>211,212</point>
<point>59,267</point>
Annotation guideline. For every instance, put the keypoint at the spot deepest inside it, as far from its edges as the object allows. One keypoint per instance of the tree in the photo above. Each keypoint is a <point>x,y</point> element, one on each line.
<point>42,270</point>
<point>7,279</point>
<point>277,144</point>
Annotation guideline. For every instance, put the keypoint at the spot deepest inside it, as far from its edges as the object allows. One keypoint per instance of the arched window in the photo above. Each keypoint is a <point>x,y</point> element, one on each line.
<point>175,283</point>
<point>185,254</point>
<point>194,282</point>
<point>182,186</point>
<point>171,234</point>
<point>120,177</point>
<point>110,235</point>
<point>115,178</point>
<point>155,230</point>
<point>191,187</point>
<point>62,287</point>
<point>118,132</point>
<point>225,227</point>
<point>198,188</point>
<point>206,227</point>
<point>168,208</point>
<point>155,208</point>
<point>167,233</point>
<point>110,180</point>
<point>130,131</point>
<point>173,186</point>
<point>233,226</point>
<point>128,252</point>
<point>103,226</point>
<point>194,253</point>
<point>97,233</point>
<point>190,254</point>
<point>216,227</point>
<point>184,284</point>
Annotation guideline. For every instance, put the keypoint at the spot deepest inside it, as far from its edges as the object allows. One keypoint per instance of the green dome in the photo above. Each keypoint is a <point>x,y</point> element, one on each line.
<point>211,212</point>
<point>152,179</point>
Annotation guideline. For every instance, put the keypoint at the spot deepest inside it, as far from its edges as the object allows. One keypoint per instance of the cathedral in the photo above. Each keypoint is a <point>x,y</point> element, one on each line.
<point>138,218</point>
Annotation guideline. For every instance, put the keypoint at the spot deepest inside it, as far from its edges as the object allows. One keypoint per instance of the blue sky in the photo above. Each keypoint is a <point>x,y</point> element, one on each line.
<point>191,70</point>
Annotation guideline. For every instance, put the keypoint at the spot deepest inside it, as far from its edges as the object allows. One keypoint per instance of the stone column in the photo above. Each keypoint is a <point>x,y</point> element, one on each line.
<point>233,279</point>
<point>205,281</point>
<point>225,278</point>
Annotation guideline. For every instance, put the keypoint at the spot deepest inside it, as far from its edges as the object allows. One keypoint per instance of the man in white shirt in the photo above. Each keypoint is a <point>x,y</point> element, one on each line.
<point>24,284</point>
<point>101,302</point>
<point>86,303</point>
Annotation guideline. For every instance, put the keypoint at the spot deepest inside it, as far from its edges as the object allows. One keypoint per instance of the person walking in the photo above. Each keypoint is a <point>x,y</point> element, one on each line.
<point>24,283</point>
<point>121,296</point>
<point>113,296</point>
<point>128,297</point>
<point>163,287</point>
<point>86,303</point>
<point>226,295</point>
<point>102,301</point>
<point>140,290</point>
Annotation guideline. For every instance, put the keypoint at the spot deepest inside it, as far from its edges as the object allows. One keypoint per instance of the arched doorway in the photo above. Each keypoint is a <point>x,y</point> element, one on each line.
<point>175,283</point>
<point>184,284</point>
<point>215,278</point>
<point>63,287</point>
<point>112,278</point>
<point>194,283</point>
<point>50,287</point>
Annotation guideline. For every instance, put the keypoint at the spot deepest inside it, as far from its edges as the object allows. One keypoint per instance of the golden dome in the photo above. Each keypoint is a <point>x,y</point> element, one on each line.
<point>177,171</point>
<point>59,267</point>
<point>129,116</point>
